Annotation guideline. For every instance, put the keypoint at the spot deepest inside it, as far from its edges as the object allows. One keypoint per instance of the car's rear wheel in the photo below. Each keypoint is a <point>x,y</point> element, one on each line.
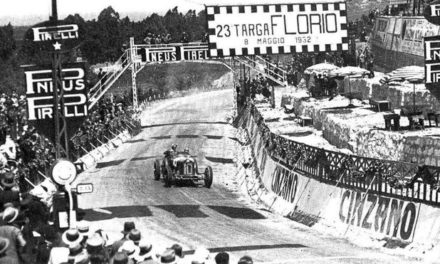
<point>208,177</point>
<point>157,170</point>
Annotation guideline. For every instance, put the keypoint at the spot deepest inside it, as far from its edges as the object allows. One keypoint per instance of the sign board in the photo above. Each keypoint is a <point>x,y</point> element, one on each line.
<point>84,188</point>
<point>432,12</point>
<point>39,95</point>
<point>432,59</point>
<point>432,72</point>
<point>432,48</point>
<point>63,172</point>
<point>53,36</point>
<point>171,53</point>
<point>277,28</point>
<point>51,33</point>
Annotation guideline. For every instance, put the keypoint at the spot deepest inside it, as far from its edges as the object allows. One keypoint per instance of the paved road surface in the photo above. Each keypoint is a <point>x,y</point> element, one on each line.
<point>220,218</point>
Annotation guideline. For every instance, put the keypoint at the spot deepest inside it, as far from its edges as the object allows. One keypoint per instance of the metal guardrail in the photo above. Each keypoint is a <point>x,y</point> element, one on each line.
<point>402,180</point>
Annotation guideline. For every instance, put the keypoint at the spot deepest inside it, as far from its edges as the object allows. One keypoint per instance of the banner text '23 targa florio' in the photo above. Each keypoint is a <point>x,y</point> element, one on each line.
<point>277,28</point>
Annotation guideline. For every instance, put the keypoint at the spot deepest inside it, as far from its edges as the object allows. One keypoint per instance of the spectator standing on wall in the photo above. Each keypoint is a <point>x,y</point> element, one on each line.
<point>147,39</point>
<point>185,38</point>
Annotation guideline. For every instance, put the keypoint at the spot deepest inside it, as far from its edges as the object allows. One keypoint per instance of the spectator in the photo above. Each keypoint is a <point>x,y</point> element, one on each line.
<point>130,249</point>
<point>222,258</point>
<point>168,256</point>
<point>185,38</point>
<point>121,258</point>
<point>11,232</point>
<point>145,251</point>
<point>178,250</point>
<point>245,260</point>
<point>135,236</point>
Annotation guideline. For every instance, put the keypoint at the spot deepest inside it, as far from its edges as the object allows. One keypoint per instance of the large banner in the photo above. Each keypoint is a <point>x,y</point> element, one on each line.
<point>40,101</point>
<point>277,28</point>
<point>402,34</point>
<point>170,53</point>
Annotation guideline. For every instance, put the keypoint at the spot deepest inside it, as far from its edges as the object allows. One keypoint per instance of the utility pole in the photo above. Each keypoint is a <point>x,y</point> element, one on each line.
<point>60,125</point>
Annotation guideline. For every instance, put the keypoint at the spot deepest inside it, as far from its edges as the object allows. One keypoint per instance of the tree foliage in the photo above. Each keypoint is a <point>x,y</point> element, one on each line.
<point>101,40</point>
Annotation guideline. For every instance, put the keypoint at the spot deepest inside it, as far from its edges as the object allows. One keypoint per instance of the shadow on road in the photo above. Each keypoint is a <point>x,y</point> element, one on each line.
<point>188,123</point>
<point>117,212</point>
<point>237,212</point>
<point>183,210</point>
<point>101,165</point>
<point>247,248</point>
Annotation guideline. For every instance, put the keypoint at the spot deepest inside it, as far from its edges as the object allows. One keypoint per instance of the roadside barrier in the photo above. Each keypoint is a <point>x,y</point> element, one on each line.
<point>347,194</point>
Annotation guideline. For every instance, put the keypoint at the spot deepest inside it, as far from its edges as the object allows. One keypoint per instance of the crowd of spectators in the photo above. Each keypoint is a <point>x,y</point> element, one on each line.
<point>26,156</point>
<point>112,116</point>
<point>157,38</point>
<point>251,87</point>
<point>130,246</point>
<point>166,38</point>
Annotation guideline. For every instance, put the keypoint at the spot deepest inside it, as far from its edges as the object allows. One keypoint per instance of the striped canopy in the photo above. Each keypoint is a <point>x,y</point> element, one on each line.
<point>321,68</point>
<point>408,73</point>
<point>348,71</point>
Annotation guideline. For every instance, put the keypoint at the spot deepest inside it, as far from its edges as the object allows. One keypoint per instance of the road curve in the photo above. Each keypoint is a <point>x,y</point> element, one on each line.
<point>220,218</point>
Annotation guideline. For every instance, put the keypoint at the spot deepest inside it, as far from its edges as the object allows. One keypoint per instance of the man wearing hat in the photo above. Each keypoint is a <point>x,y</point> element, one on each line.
<point>145,251</point>
<point>77,254</point>
<point>128,226</point>
<point>121,258</point>
<point>71,237</point>
<point>168,257</point>
<point>12,234</point>
<point>130,249</point>
<point>83,228</point>
<point>10,192</point>
<point>222,258</point>
<point>245,260</point>
<point>95,248</point>
<point>135,236</point>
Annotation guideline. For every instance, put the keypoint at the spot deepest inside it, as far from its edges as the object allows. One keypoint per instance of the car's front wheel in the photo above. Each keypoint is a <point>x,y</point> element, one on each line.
<point>208,177</point>
<point>167,178</point>
<point>157,170</point>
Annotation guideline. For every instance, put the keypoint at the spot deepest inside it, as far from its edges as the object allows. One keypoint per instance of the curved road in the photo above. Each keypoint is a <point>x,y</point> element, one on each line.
<point>220,218</point>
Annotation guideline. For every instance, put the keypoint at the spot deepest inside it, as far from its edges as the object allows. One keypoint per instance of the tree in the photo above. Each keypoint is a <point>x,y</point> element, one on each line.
<point>7,42</point>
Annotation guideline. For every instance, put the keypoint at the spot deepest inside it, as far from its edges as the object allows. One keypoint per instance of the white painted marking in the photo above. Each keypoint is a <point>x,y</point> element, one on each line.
<point>299,260</point>
<point>99,210</point>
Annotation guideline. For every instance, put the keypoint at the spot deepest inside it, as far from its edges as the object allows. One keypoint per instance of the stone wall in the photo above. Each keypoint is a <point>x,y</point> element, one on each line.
<point>361,131</point>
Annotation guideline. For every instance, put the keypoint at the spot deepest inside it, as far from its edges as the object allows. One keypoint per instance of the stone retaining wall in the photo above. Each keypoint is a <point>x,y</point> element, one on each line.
<point>369,139</point>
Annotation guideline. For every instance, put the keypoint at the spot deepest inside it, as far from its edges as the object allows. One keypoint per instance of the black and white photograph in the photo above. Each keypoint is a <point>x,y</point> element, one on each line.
<point>219,132</point>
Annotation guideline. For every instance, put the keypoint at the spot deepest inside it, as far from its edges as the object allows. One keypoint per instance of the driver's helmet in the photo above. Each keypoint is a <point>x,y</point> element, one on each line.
<point>174,147</point>
<point>186,150</point>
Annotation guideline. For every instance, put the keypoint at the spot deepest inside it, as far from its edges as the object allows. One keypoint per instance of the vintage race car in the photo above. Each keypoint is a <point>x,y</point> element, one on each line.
<point>179,167</point>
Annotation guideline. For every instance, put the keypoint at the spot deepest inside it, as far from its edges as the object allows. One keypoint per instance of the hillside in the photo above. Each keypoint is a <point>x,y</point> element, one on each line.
<point>171,77</point>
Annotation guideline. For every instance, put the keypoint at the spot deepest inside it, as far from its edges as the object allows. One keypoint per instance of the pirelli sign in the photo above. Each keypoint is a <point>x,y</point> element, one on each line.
<point>432,59</point>
<point>40,102</point>
<point>276,28</point>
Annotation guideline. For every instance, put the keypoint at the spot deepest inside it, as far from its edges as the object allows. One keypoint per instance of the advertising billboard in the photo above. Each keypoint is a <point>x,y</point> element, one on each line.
<point>40,101</point>
<point>173,52</point>
<point>276,28</point>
